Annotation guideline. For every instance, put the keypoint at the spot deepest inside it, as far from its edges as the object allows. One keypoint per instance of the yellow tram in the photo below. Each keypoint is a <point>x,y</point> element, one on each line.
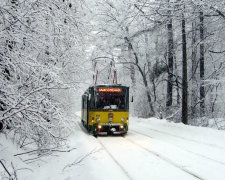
<point>105,109</point>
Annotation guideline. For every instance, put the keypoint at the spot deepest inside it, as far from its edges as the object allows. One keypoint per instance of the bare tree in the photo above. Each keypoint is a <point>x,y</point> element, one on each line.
<point>202,62</point>
<point>194,97</point>
<point>184,72</point>
<point>169,100</point>
<point>144,77</point>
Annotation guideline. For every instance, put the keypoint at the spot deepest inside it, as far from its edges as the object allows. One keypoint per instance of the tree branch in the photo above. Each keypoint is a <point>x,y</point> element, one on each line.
<point>53,150</point>
<point>5,169</point>
<point>218,12</point>
<point>216,52</point>
<point>81,159</point>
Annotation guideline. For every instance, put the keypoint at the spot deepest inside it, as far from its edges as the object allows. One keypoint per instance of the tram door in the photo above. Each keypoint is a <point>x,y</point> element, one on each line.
<point>85,110</point>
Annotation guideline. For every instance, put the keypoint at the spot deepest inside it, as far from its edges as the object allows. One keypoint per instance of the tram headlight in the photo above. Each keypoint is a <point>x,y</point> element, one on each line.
<point>99,126</point>
<point>121,127</point>
<point>122,119</point>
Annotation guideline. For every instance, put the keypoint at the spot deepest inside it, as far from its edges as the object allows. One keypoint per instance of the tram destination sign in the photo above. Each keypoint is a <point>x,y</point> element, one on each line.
<point>114,90</point>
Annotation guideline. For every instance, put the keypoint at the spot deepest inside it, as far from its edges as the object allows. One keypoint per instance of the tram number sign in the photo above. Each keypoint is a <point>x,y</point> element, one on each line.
<point>114,90</point>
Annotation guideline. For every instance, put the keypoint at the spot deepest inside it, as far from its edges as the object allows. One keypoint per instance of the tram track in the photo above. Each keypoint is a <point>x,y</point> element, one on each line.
<point>129,174</point>
<point>115,160</point>
<point>164,158</point>
<point>184,149</point>
<point>184,138</point>
<point>161,157</point>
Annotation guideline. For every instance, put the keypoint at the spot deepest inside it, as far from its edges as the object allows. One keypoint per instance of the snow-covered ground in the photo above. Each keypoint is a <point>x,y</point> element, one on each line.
<point>152,149</point>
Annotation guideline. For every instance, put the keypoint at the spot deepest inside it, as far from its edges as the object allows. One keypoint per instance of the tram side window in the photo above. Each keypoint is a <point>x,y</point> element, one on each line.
<point>85,102</point>
<point>82,102</point>
<point>92,101</point>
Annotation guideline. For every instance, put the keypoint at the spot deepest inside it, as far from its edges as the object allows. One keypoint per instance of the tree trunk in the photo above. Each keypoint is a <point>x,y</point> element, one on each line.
<point>152,77</point>
<point>176,80</point>
<point>1,126</point>
<point>194,96</point>
<point>201,62</point>
<point>132,70</point>
<point>184,75</point>
<point>169,99</point>
<point>152,112</point>
<point>144,76</point>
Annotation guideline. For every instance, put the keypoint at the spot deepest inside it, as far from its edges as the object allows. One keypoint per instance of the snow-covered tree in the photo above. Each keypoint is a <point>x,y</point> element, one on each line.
<point>40,47</point>
<point>148,35</point>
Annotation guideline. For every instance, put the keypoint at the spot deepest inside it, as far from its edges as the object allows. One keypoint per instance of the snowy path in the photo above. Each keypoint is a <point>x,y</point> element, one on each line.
<point>198,151</point>
<point>166,151</point>
<point>185,160</point>
<point>152,149</point>
<point>136,161</point>
<point>139,162</point>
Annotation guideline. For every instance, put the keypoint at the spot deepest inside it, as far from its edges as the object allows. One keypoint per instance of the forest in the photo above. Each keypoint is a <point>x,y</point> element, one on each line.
<point>169,52</point>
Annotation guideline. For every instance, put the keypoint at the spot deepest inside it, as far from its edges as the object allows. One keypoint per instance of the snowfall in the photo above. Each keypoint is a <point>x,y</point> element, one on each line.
<point>153,149</point>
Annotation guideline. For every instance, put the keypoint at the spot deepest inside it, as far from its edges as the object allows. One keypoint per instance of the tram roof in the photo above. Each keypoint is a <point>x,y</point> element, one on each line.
<point>108,85</point>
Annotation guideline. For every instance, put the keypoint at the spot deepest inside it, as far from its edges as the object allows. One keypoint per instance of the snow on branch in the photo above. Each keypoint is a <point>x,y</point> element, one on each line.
<point>5,169</point>
<point>79,160</point>
<point>35,43</point>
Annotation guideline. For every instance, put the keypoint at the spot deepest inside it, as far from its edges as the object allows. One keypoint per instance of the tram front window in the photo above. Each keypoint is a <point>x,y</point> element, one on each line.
<point>110,101</point>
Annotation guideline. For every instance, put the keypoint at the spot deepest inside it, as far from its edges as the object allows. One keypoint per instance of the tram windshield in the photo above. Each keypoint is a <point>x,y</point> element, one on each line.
<point>111,98</point>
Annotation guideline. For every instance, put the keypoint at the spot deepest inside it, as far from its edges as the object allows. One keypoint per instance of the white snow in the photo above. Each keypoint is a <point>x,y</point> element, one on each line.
<point>152,149</point>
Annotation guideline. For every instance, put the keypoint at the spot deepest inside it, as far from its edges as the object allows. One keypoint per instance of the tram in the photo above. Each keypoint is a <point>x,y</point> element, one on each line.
<point>105,109</point>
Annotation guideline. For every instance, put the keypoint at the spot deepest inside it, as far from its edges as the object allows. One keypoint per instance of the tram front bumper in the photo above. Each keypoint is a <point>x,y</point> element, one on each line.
<point>116,129</point>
